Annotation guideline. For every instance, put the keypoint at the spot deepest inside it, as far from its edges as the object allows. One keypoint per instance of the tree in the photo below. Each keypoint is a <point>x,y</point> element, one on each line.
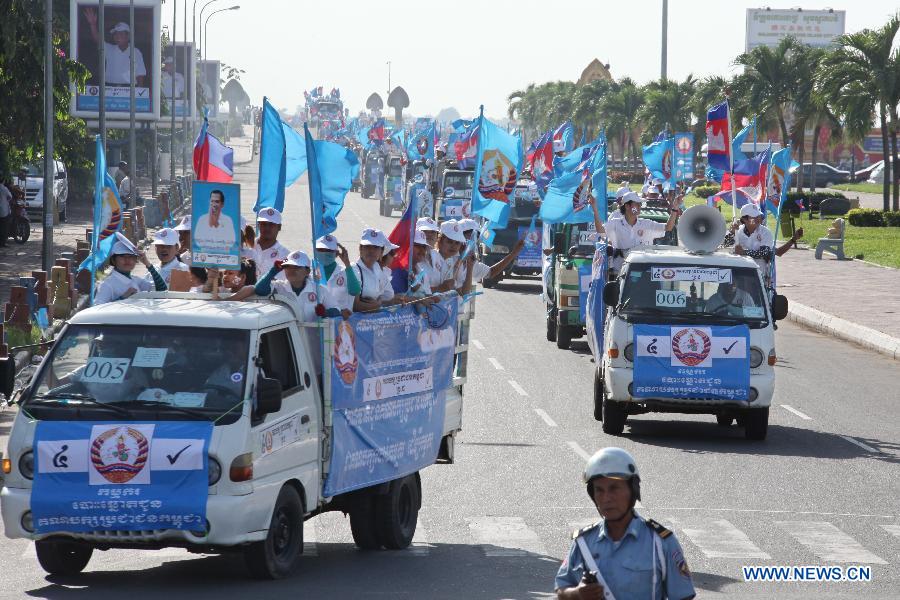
<point>668,106</point>
<point>864,68</point>
<point>619,110</point>
<point>586,113</point>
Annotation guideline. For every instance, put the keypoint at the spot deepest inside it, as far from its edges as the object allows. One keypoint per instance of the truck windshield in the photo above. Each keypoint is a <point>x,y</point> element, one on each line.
<point>34,170</point>
<point>523,206</point>
<point>458,180</point>
<point>178,370</point>
<point>395,169</point>
<point>696,293</point>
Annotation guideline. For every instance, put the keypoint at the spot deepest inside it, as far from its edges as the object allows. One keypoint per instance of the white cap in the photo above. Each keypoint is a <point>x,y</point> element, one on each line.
<point>750,210</point>
<point>644,190</point>
<point>427,224</point>
<point>120,26</point>
<point>559,146</point>
<point>327,242</point>
<point>452,230</point>
<point>468,224</point>
<point>419,238</point>
<point>656,181</point>
<point>622,191</point>
<point>631,197</point>
<point>371,237</point>
<point>123,246</point>
<point>297,258</point>
<point>387,244</point>
<point>165,237</point>
<point>185,224</point>
<point>269,215</point>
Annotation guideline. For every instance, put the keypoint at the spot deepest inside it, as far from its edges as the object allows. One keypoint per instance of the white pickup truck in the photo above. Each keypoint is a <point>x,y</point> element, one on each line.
<point>169,419</point>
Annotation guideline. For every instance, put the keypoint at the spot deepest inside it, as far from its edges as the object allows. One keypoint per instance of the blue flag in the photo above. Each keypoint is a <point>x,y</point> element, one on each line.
<point>658,158</point>
<point>739,140</point>
<point>332,169</point>
<point>779,181</point>
<point>566,133</point>
<point>421,145</point>
<point>498,162</point>
<point>107,214</point>
<point>574,160</point>
<point>567,199</point>
<point>282,159</point>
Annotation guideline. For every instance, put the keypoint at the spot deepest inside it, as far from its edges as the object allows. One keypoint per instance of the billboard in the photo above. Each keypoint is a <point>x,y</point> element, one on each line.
<point>684,156</point>
<point>85,40</point>
<point>177,77</point>
<point>210,77</point>
<point>818,28</point>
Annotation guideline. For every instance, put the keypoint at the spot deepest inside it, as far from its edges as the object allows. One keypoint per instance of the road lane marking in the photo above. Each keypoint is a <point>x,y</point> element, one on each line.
<point>419,545</point>
<point>478,344</point>
<point>549,421</point>
<point>505,536</point>
<point>720,539</point>
<point>310,548</point>
<point>793,410</point>
<point>519,389</point>
<point>829,543</point>
<point>495,362</point>
<point>892,529</point>
<point>856,442</point>
<point>578,450</point>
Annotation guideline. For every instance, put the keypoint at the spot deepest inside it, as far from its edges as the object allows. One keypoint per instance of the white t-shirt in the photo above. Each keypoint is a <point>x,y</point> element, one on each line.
<point>756,240</point>
<point>441,269</point>
<point>337,288</point>
<point>740,299</point>
<point>306,299</point>
<point>166,270</point>
<point>265,259</point>
<point>623,236</point>
<point>118,64</point>
<point>5,201</point>
<point>220,237</point>
<point>116,284</point>
<point>372,281</point>
<point>479,272</point>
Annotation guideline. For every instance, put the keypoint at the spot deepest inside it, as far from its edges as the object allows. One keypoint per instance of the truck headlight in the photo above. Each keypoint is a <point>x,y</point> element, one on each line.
<point>26,465</point>
<point>756,357</point>
<point>629,352</point>
<point>214,471</point>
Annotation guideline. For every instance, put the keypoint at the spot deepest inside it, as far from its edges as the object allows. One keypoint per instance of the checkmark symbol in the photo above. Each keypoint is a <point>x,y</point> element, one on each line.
<point>728,349</point>
<point>172,459</point>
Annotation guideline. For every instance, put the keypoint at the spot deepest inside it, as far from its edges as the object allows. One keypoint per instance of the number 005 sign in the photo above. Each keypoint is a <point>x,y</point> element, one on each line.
<point>105,370</point>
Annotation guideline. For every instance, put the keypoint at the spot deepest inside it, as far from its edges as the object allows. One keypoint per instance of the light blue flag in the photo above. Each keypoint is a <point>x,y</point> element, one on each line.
<point>566,133</point>
<point>332,169</point>
<point>779,181</point>
<point>487,235</point>
<point>282,159</point>
<point>658,158</point>
<point>421,145</point>
<point>362,136</point>
<point>107,215</point>
<point>498,162</point>
<point>739,139</point>
<point>568,196</point>
<point>574,160</point>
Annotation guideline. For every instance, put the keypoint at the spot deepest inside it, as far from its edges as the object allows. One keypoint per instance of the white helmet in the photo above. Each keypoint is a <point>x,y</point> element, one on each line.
<point>614,463</point>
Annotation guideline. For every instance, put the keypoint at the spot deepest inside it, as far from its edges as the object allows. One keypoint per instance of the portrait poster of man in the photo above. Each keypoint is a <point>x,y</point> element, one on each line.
<point>177,76</point>
<point>117,38</point>
<point>215,218</point>
<point>209,85</point>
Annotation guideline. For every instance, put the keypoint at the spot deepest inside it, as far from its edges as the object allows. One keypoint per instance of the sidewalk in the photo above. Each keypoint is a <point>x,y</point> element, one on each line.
<point>852,300</point>
<point>866,200</point>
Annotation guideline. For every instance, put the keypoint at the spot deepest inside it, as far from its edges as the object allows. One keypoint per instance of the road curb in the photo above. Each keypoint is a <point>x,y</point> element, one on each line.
<point>866,337</point>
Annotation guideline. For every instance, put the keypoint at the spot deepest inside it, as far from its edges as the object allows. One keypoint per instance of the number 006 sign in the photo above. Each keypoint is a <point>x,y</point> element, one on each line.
<point>673,298</point>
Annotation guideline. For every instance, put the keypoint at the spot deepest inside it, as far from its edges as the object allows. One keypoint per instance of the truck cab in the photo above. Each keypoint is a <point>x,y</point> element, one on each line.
<point>455,200</point>
<point>393,186</point>
<point>522,208</point>
<point>33,185</point>
<point>168,419</point>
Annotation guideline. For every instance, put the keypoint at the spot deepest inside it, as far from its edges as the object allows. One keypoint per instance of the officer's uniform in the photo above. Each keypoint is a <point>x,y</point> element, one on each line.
<point>647,563</point>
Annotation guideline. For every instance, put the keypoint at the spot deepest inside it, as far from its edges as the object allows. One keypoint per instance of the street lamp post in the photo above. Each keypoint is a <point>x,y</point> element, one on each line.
<point>206,23</point>
<point>172,100</point>
<point>189,78</point>
<point>200,29</point>
<point>196,47</point>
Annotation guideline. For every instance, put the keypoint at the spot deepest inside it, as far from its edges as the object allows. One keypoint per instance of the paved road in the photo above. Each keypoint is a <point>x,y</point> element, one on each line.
<point>822,489</point>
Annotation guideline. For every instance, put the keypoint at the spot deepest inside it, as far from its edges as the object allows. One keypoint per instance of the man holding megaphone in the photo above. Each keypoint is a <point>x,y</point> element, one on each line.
<point>630,230</point>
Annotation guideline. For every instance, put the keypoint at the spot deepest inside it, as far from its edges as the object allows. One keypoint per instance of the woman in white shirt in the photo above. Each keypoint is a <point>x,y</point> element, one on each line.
<point>376,290</point>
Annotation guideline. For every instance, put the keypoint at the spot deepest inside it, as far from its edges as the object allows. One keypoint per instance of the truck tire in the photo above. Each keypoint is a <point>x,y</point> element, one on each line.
<point>362,523</point>
<point>598,395</point>
<point>614,417</point>
<point>724,420</point>
<point>756,423</point>
<point>397,513</point>
<point>488,283</point>
<point>551,325</point>
<point>563,337</point>
<point>277,556</point>
<point>61,557</point>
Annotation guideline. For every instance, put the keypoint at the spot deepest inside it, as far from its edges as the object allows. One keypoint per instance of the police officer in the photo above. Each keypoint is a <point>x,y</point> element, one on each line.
<point>623,555</point>
<point>165,243</point>
<point>119,284</point>
<point>267,248</point>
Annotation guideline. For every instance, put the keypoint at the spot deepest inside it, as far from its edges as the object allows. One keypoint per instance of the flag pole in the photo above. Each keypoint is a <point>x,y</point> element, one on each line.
<point>99,183</point>
<point>731,162</point>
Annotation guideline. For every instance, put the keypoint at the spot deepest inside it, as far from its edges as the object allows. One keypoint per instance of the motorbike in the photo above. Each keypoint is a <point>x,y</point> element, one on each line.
<point>19,223</point>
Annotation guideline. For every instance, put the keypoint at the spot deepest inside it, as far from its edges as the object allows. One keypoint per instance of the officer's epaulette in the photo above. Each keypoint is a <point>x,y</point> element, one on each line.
<point>658,528</point>
<point>584,530</point>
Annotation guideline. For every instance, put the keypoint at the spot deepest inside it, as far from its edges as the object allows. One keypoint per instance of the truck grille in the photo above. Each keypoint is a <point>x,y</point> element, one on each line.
<point>113,536</point>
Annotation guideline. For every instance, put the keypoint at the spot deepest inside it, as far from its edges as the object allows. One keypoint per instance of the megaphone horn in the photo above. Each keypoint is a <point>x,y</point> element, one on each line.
<point>701,229</point>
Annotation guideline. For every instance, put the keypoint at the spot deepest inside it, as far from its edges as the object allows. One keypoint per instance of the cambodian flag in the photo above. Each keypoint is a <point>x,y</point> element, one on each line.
<point>466,146</point>
<point>718,137</point>
<point>750,178</point>
<point>376,132</point>
<point>213,160</point>
<point>539,159</point>
<point>566,133</point>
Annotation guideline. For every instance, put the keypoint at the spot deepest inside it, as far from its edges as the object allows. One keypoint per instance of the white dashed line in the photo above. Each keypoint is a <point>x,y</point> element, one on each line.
<point>519,389</point>
<point>495,362</point>
<point>829,543</point>
<point>793,410</point>
<point>477,344</point>
<point>578,450</point>
<point>865,447</point>
<point>549,421</point>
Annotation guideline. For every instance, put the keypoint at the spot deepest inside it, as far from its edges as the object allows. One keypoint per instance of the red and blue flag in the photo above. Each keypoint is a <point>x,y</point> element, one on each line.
<point>718,137</point>
<point>213,160</point>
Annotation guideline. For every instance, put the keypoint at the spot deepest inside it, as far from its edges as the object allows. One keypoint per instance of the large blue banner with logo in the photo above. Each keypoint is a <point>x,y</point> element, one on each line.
<point>691,361</point>
<point>595,312</point>
<point>120,476</point>
<point>389,374</point>
<point>684,157</point>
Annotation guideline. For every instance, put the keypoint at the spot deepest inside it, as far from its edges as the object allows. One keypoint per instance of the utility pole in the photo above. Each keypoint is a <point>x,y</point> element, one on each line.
<point>49,170</point>
<point>389,78</point>
<point>188,79</point>
<point>132,134</point>
<point>101,47</point>
<point>172,99</point>
<point>665,38</point>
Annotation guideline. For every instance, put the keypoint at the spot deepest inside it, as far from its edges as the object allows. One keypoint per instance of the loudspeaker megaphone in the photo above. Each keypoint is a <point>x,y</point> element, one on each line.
<point>701,229</point>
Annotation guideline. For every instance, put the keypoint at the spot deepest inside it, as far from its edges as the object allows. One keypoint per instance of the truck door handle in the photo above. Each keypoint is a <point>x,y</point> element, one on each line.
<point>304,419</point>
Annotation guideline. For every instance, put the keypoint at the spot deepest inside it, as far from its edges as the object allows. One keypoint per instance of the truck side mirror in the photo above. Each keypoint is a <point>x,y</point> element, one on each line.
<point>779,307</point>
<point>268,396</point>
<point>611,293</point>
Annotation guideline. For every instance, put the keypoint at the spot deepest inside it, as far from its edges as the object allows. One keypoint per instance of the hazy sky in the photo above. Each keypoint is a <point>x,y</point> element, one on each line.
<point>466,53</point>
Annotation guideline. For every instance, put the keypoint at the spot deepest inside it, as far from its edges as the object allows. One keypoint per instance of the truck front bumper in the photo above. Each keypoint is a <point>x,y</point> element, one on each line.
<point>618,382</point>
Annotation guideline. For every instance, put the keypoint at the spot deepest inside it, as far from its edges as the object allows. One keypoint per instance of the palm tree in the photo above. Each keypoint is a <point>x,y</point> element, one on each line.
<point>619,110</point>
<point>865,65</point>
<point>587,102</point>
<point>668,106</point>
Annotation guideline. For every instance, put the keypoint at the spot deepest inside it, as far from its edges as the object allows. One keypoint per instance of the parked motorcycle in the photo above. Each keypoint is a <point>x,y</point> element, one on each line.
<point>20,225</point>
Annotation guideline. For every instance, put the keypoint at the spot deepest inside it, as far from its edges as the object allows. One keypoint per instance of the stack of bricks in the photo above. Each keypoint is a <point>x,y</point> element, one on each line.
<point>16,314</point>
<point>83,278</point>
<point>40,288</point>
<point>61,289</point>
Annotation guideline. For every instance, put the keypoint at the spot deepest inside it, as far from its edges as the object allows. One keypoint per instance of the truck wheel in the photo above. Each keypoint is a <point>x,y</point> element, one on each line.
<point>397,513</point>
<point>62,558</point>
<point>756,423</point>
<point>277,555</point>
<point>551,325</point>
<point>363,524</point>
<point>563,337</point>
<point>487,282</point>
<point>724,420</point>
<point>598,395</point>
<point>614,417</point>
